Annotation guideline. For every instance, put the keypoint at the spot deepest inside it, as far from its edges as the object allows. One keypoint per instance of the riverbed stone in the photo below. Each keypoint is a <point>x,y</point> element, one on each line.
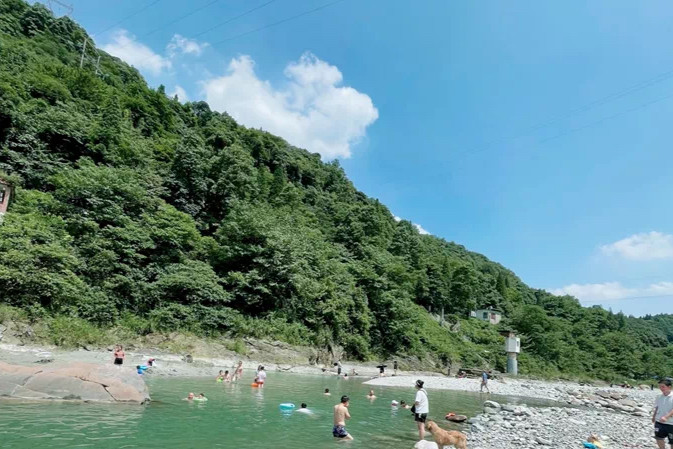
<point>75,381</point>
<point>491,404</point>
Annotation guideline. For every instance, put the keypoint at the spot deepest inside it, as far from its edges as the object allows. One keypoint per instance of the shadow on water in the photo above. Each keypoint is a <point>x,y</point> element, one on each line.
<point>235,416</point>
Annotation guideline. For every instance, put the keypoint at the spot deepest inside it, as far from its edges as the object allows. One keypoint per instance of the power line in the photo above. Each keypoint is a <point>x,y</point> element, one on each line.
<point>234,18</point>
<point>627,298</point>
<point>554,119</point>
<point>181,17</point>
<point>278,23</point>
<point>149,5</point>
<point>68,7</point>
<point>610,117</point>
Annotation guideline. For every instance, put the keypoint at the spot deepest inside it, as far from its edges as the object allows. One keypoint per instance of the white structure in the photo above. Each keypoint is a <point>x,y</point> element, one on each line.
<point>5,193</point>
<point>512,348</point>
<point>490,315</point>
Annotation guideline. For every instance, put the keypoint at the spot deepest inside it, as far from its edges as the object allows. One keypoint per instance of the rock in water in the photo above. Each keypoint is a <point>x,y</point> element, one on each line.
<point>76,381</point>
<point>491,404</point>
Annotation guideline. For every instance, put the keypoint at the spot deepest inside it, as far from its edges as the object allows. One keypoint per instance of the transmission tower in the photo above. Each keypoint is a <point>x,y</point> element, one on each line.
<point>65,6</point>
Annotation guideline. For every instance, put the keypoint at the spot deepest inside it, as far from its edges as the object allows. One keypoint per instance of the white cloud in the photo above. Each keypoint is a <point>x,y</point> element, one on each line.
<point>421,230</point>
<point>646,246</point>
<point>125,47</point>
<point>417,226</point>
<point>182,45</point>
<point>180,92</point>
<point>610,291</point>
<point>312,111</point>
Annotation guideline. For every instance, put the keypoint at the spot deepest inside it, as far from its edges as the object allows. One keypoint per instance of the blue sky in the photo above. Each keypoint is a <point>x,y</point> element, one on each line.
<point>536,133</point>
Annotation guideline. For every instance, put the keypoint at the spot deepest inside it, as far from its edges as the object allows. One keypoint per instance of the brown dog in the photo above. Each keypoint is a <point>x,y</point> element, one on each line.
<point>446,437</point>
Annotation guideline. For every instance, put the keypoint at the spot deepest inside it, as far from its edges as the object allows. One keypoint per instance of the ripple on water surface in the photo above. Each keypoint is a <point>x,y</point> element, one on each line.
<point>236,416</point>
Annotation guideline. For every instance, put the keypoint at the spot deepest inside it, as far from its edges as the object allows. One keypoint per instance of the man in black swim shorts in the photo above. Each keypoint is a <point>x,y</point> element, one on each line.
<point>663,415</point>
<point>340,416</point>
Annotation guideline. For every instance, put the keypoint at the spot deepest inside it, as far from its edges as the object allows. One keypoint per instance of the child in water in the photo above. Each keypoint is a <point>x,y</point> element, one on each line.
<point>201,397</point>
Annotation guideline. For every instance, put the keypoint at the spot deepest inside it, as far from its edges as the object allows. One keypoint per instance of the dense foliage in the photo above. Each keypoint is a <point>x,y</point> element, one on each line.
<point>132,207</point>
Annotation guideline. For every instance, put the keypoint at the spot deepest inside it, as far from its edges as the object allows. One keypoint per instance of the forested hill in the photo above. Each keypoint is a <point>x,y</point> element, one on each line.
<point>133,210</point>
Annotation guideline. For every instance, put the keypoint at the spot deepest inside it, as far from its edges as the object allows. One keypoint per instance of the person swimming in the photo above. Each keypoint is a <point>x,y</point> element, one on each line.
<point>227,376</point>
<point>327,393</point>
<point>201,397</point>
<point>303,409</point>
<point>404,404</point>
<point>220,376</point>
<point>190,397</point>
<point>371,395</point>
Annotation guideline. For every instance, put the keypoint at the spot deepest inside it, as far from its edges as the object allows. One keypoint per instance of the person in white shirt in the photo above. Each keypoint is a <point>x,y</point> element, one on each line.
<point>421,408</point>
<point>663,415</point>
<point>261,377</point>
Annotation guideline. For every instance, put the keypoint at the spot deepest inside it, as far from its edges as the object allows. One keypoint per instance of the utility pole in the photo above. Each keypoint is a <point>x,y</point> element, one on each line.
<point>81,61</point>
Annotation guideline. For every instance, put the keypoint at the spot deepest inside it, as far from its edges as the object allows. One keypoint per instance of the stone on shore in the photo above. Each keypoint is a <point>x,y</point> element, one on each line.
<point>423,444</point>
<point>77,381</point>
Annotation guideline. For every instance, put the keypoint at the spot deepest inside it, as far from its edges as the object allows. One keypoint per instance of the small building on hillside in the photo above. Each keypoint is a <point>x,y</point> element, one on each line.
<point>5,194</point>
<point>490,315</point>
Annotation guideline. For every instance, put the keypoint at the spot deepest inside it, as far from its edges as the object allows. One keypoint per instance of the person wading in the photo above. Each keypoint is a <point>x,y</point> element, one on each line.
<point>340,416</point>
<point>421,408</point>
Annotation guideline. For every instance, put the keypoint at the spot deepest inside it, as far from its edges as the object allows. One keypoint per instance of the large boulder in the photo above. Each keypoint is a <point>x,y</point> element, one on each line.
<point>76,381</point>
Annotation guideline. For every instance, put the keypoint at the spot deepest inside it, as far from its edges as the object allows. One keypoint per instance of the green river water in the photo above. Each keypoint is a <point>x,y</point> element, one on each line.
<point>236,416</point>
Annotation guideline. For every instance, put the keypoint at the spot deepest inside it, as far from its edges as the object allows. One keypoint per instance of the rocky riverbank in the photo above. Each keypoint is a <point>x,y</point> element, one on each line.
<point>521,427</point>
<point>274,356</point>
<point>564,392</point>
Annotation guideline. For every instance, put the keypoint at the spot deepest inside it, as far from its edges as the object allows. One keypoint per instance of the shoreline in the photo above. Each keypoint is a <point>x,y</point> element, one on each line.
<point>174,365</point>
<point>619,415</point>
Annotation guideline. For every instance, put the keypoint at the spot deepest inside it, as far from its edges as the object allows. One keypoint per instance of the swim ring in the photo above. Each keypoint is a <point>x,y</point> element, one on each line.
<point>254,385</point>
<point>286,406</point>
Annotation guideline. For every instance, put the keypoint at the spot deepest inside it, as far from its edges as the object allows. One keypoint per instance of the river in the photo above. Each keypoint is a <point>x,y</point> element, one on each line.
<point>235,416</point>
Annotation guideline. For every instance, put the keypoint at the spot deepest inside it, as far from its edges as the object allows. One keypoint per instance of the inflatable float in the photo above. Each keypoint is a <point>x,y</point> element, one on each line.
<point>254,385</point>
<point>286,406</point>
<point>455,418</point>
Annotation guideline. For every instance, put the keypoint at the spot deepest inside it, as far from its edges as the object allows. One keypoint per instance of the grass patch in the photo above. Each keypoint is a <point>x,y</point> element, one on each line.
<point>71,332</point>
<point>237,345</point>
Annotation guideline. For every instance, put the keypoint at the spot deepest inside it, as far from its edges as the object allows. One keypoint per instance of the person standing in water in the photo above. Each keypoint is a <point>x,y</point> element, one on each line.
<point>340,416</point>
<point>238,371</point>
<point>421,408</point>
<point>261,377</point>
<point>395,367</point>
<point>119,356</point>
